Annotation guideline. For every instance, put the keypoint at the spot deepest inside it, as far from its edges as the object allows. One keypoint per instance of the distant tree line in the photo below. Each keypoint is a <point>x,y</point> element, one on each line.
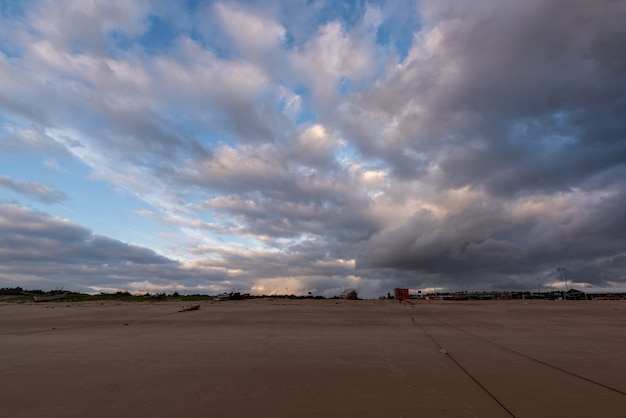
<point>19,291</point>
<point>11,291</point>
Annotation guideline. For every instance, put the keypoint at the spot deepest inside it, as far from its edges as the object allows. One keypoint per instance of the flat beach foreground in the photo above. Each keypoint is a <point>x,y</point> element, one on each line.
<point>314,358</point>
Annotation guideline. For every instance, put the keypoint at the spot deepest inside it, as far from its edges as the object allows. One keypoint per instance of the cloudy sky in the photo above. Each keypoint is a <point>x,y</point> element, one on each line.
<point>312,146</point>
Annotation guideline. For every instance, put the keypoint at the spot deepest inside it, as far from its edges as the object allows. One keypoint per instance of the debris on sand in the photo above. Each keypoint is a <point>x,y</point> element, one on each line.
<point>190,308</point>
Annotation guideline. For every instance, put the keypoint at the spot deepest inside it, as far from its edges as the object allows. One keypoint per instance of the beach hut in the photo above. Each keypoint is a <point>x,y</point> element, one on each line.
<point>402,294</point>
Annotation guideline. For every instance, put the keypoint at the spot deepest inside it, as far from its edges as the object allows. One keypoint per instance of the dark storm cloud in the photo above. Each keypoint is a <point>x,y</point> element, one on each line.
<point>504,241</point>
<point>512,101</point>
<point>500,89</point>
<point>39,250</point>
<point>31,237</point>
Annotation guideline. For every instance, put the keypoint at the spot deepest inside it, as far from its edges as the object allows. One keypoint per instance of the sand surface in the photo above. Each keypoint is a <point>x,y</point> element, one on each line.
<point>314,358</point>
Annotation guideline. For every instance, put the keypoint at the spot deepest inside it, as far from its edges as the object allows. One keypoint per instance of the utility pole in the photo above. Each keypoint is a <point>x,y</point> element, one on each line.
<point>561,270</point>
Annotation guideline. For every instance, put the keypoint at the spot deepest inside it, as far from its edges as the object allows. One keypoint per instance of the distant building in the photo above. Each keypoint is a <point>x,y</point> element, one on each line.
<point>402,294</point>
<point>595,293</point>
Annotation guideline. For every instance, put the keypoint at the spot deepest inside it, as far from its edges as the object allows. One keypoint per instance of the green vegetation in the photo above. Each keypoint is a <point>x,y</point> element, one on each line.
<point>19,295</point>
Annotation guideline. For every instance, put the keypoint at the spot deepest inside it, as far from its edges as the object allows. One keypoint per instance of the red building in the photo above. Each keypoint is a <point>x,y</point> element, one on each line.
<point>402,294</point>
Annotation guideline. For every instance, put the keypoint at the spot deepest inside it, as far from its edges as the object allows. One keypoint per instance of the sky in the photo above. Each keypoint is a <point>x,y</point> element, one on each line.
<point>299,146</point>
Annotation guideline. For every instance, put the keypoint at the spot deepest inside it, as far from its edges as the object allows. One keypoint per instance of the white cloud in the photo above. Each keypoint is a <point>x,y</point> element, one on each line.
<point>254,35</point>
<point>35,189</point>
<point>332,57</point>
<point>86,25</point>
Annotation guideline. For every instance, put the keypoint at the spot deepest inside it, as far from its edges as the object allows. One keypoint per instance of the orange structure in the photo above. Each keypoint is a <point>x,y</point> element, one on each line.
<point>402,294</point>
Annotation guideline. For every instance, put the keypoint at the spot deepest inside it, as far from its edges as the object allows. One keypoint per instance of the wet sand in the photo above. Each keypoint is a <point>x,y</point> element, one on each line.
<point>314,358</point>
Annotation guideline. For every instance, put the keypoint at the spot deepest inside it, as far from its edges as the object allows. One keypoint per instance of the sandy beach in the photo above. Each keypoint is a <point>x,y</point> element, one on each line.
<point>314,358</point>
